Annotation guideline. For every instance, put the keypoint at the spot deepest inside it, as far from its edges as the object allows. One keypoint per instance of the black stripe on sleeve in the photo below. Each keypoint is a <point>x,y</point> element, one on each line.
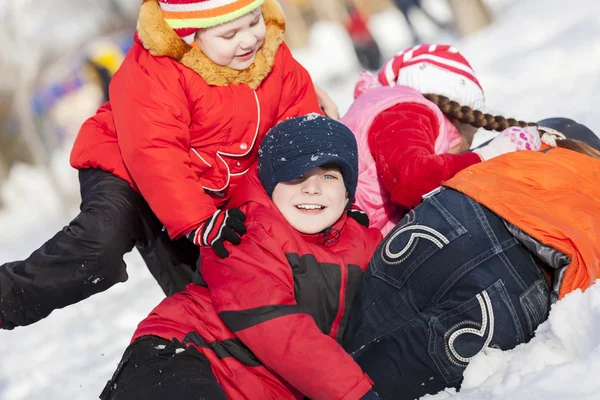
<point>225,348</point>
<point>239,320</point>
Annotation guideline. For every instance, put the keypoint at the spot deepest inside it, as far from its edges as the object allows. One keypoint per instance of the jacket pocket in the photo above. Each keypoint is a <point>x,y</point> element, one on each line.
<point>201,164</point>
<point>418,236</point>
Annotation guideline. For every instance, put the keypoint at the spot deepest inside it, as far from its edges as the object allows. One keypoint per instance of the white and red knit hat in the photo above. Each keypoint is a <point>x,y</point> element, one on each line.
<point>436,69</point>
<point>186,17</point>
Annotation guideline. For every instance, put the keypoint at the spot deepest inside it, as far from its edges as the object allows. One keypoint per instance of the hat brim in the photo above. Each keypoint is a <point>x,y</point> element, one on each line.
<point>572,130</point>
<point>289,174</point>
<point>345,169</point>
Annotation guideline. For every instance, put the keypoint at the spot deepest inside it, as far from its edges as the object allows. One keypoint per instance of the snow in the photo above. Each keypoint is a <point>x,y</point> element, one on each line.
<point>556,364</point>
<point>539,59</point>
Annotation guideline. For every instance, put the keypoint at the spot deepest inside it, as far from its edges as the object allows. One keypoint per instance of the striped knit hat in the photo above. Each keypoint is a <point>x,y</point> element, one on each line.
<point>186,17</point>
<point>436,69</point>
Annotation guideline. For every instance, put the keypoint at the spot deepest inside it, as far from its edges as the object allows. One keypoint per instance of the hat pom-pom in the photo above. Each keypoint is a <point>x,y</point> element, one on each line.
<point>365,82</point>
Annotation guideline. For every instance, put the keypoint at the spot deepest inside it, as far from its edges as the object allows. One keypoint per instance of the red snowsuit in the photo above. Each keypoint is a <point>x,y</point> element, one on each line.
<point>276,307</point>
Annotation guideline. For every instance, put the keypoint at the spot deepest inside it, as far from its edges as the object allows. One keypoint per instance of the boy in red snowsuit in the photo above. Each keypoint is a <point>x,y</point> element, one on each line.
<point>264,323</point>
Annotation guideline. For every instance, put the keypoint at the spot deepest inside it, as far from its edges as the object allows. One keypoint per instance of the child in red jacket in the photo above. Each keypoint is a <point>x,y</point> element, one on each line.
<point>414,124</point>
<point>188,108</point>
<point>264,323</point>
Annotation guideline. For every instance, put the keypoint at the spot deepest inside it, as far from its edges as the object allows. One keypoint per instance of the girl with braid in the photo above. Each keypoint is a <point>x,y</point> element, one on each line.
<point>414,123</point>
<point>477,265</point>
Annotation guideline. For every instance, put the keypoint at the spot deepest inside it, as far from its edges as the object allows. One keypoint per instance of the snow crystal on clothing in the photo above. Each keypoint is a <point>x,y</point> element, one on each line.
<point>311,116</point>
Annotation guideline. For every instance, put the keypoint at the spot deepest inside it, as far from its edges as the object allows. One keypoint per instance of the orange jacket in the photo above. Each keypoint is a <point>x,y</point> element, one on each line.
<point>182,130</point>
<point>552,197</point>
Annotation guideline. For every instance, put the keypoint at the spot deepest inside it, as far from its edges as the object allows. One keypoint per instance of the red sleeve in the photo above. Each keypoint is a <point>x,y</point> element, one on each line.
<point>253,292</point>
<point>298,96</point>
<point>402,140</point>
<point>151,114</point>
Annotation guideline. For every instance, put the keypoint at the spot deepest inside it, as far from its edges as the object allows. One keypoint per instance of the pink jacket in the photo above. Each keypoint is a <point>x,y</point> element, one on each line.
<point>371,196</point>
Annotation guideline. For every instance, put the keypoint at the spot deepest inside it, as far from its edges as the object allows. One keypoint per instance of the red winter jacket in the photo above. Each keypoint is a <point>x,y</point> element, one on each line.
<point>402,140</point>
<point>182,130</point>
<point>276,307</point>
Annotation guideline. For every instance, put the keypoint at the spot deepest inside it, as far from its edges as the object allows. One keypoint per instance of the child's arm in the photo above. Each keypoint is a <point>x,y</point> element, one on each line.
<point>253,292</point>
<point>327,104</point>
<point>151,113</point>
<point>402,140</point>
<point>298,95</point>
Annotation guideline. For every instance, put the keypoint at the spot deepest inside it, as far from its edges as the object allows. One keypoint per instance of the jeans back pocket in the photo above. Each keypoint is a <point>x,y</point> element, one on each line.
<point>418,236</point>
<point>488,319</point>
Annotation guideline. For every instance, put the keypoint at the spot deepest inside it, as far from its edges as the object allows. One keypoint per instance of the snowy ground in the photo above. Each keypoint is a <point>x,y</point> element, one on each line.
<point>538,60</point>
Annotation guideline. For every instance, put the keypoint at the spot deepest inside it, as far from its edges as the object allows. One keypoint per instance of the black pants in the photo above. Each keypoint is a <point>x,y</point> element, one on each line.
<point>86,256</point>
<point>156,369</point>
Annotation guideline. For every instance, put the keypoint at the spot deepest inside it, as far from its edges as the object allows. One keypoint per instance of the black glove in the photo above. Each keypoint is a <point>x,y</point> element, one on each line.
<point>359,215</point>
<point>223,225</point>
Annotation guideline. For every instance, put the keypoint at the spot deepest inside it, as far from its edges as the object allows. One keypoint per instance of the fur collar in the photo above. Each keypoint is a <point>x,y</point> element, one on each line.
<point>160,40</point>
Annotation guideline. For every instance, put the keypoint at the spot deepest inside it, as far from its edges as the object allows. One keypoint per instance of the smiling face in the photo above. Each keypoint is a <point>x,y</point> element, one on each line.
<point>235,43</point>
<point>314,201</point>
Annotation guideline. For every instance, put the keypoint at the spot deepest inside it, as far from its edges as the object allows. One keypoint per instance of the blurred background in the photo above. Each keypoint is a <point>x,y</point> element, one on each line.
<point>534,58</point>
<point>59,56</point>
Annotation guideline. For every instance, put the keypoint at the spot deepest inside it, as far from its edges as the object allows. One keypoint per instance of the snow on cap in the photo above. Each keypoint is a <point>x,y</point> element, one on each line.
<point>297,145</point>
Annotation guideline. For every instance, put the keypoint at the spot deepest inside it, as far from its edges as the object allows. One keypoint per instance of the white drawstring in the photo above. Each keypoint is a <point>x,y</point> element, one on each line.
<point>550,136</point>
<point>549,139</point>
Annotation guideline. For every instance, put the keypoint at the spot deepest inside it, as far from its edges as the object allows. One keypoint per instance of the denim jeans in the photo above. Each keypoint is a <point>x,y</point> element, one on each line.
<point>447,282</point>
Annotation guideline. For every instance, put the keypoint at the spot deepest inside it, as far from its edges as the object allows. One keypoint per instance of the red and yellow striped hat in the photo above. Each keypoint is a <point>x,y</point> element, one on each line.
<point>186,17</point>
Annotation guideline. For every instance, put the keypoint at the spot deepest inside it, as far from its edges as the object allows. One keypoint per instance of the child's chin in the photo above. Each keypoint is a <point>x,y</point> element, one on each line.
<point>310,229</point>
<point>242,65</point>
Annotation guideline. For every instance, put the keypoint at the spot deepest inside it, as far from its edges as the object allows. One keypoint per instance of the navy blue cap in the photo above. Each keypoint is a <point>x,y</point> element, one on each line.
<point>572,130</point>
<point>297,145</point>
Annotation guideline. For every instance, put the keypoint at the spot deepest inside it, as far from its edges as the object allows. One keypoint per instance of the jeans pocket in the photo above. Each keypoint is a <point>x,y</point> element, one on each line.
<point>488,319</point>
<point>418,236</point>
<point>535,302</point>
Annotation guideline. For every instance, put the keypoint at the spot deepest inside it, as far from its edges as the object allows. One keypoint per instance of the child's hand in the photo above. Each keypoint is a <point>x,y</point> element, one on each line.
<point>222,226</point>
<point>327,105</point>
<point>509,140</point>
